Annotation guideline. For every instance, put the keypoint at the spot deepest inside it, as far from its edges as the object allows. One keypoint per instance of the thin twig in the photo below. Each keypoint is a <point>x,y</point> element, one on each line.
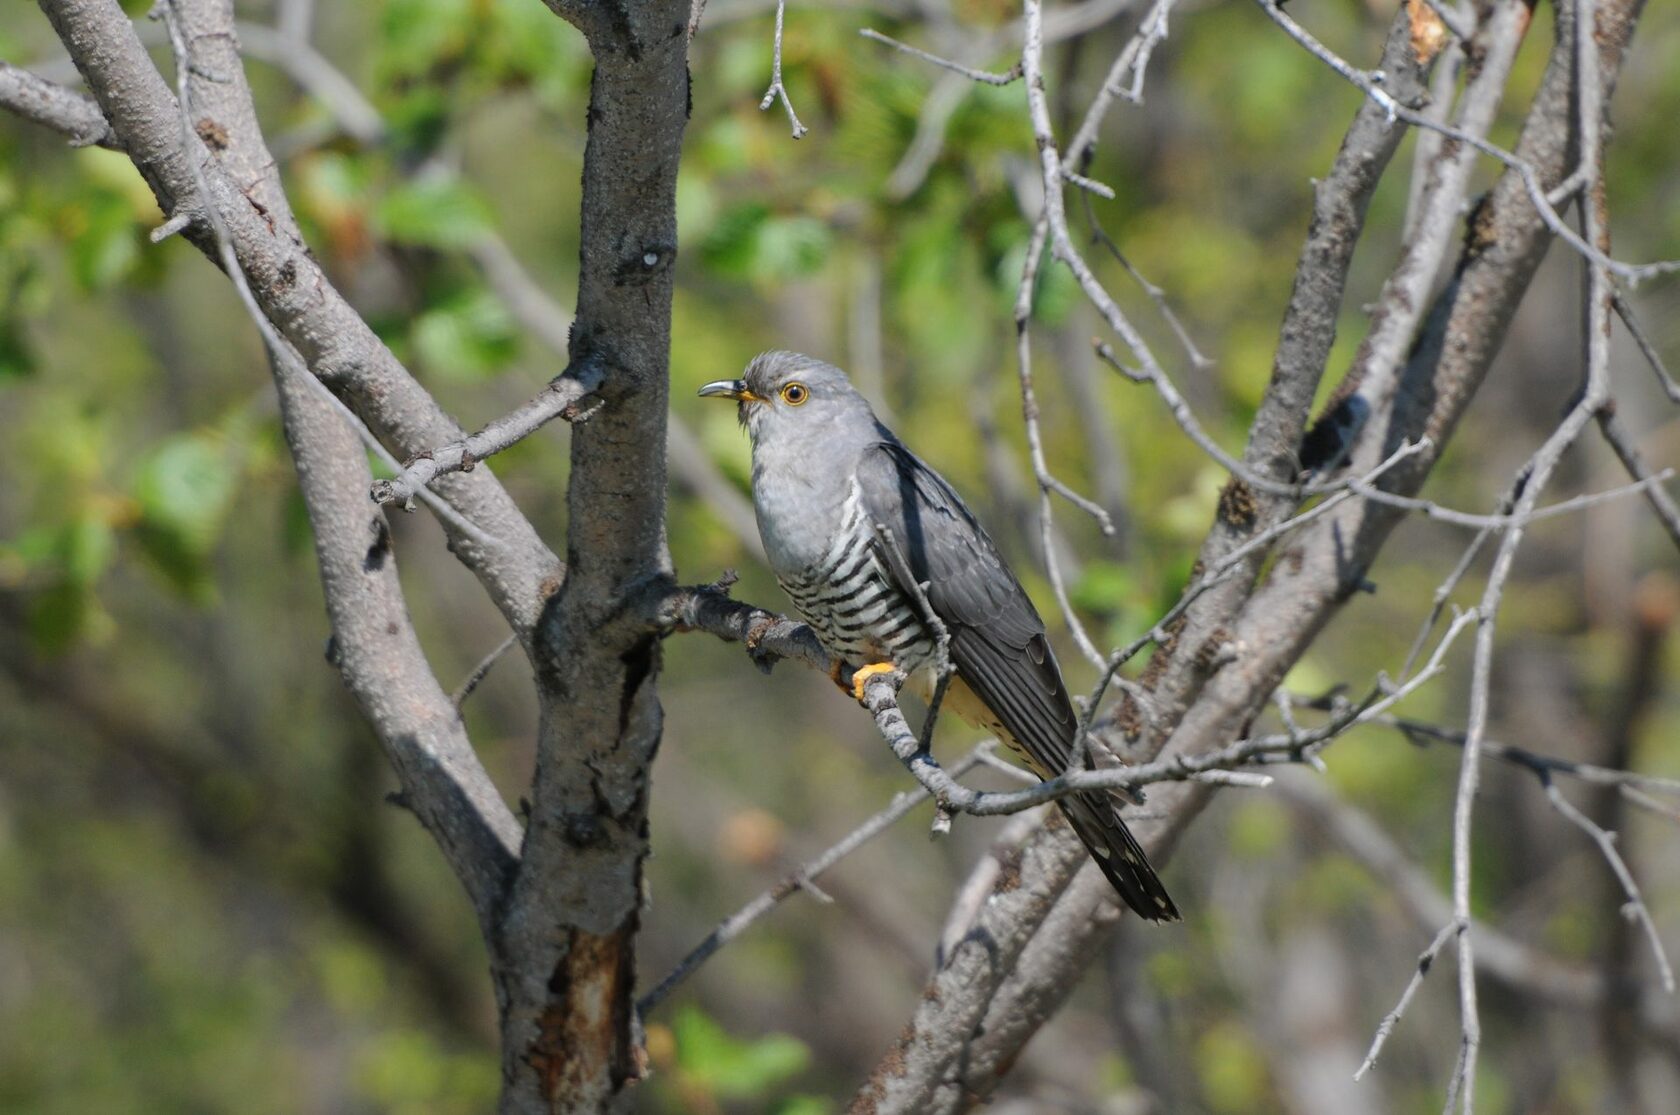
<point>1035,447</point>
<point>1606,841</point>
<point>1646,485</point>
<point>480,671</point>
<point>880,697</point>
<point>797,880</point>
<point>1622,444</point>
<point>1595,394</point>
<point>777,89</point>
<point>1426,960</point>
<point>1370,83</point>
<point>1646,348</point>
<point>985,77</point>
<point>1100,236</point>
<point>559,399</point>
<point>1421,734</point>
<point>1226,566</point>
<point>280,350</point>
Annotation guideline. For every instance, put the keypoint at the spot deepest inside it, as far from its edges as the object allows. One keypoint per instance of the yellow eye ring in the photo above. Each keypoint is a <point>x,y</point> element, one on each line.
<point>794,394</point>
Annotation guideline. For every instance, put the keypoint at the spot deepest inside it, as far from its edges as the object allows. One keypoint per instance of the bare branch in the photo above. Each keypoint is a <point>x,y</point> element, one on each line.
<point>336,344</point>
<point>1099,235</point>
<point>799,879</point>
<point>985,77</point>
<point>1227,566</point>
<point>881,699</point>
<point>559,399</point>
<point>316,76</point>
<point>481,671</point>
<point>541,316</point>
<point>1635,908</point>
<point>777,89</point>
<point>1595,395</point>
<point>1648,485</point>
<point>1622,443</point>
<point>442,779</point>
<point>1370,83</point>
<point>768,637</point>
<point>1133,59</point>
<point>53,106</point>
<point>1425,961</point>
<point>1646,348</point>
<point>1541,766</point>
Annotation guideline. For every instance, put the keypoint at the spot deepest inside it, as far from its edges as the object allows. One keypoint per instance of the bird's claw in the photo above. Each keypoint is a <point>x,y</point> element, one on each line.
<point>862,676</point>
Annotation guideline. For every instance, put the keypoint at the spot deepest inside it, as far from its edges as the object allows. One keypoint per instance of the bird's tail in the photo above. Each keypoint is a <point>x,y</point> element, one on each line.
<point>1097,823</point>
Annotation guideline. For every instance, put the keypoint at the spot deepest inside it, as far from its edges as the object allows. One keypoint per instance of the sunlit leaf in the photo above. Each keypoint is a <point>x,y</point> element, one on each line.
<point>434,212</point>
<point>87,546</point>
<point>750,242</point>
<point>105,243</point>
<point>731,1067</point>
<point>468,337</point>
<point>1105,587</point>
<point>184,490</point>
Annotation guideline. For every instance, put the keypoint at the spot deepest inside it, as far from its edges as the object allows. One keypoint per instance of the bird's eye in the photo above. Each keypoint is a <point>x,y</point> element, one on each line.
<point>795,393</point>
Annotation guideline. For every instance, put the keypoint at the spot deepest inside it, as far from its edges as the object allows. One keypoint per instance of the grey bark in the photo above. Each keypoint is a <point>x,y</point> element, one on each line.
<point>559,902</point>
<point>573,912</point>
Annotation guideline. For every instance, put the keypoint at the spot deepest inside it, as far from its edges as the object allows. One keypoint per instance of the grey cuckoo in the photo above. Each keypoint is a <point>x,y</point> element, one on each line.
<point>853,522</point>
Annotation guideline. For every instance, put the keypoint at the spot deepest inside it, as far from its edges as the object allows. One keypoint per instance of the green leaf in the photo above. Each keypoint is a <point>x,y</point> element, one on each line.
<point>416,35</point>
<point>467,337</point>
<point>733,242</point>
<point>748,242</point>
<point>791,246</point>
<point>730,1067</point>
<point>105,245</point>
<point>65,614</point>
<point>1105,587</point>
<point>86,547</point>
<point>184,490</point>
<point>434,213</point>
<point>16,358</point>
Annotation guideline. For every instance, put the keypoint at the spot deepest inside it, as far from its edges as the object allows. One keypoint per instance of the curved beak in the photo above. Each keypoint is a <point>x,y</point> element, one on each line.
<point>730,389</point>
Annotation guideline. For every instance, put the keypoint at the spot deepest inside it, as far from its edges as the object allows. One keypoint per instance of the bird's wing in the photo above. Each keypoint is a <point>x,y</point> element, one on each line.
<point>928,536</point>
<point>997,641</point>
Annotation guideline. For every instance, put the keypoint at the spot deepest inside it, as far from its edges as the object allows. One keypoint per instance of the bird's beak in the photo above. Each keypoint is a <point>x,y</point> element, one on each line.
<point>730,389</point>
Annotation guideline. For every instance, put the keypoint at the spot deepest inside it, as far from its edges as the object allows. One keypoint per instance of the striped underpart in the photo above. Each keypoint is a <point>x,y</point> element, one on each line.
<point>849,599</point>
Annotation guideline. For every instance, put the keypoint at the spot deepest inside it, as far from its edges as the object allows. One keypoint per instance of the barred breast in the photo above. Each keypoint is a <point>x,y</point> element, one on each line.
<point>850,601</point>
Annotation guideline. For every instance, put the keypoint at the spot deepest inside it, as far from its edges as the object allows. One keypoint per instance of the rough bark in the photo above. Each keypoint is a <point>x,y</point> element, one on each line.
<point>569,936</point>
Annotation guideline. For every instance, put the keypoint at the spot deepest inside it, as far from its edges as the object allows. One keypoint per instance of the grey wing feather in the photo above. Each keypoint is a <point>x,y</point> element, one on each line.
<point>997,640</point>
<point>997,645</point>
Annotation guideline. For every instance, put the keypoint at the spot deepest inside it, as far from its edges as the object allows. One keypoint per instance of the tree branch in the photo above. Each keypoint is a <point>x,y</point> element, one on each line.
<point>295,295</point>
<point>53,106</point>
<point>559,399</point>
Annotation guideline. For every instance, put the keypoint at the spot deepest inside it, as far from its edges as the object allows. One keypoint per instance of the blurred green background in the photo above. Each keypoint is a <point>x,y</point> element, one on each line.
<point>205,904</point>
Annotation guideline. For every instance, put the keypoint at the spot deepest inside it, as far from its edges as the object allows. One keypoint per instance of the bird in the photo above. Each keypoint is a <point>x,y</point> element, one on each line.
<point>873,546</point>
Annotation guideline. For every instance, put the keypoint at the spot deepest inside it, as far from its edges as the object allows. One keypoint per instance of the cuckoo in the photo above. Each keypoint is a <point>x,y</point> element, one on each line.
<point>882,558</point>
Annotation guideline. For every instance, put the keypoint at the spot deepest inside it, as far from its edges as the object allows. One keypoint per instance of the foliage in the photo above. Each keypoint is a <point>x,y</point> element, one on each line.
<point>202,903</point>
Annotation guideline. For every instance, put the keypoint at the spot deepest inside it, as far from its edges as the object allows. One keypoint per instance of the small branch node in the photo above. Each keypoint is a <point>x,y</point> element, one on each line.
<point>178,223</point>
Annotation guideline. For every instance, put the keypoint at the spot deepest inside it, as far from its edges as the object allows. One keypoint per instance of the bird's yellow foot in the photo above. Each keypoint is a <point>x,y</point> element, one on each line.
<point>863,675</point>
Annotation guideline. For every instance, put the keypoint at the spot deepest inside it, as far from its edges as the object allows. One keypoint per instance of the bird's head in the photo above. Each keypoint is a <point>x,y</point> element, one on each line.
<point>785,394</point>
